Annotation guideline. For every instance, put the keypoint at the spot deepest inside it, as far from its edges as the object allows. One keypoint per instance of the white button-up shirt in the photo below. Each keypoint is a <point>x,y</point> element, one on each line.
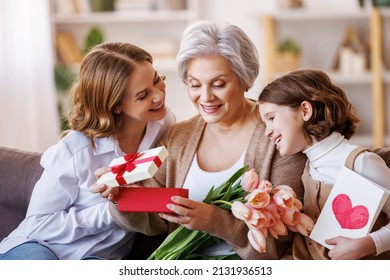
<point>63,213</point>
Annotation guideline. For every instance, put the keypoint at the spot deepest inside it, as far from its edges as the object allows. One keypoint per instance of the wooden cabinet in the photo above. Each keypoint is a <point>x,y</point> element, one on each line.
<point>158,30</point>
<point>320,34</point>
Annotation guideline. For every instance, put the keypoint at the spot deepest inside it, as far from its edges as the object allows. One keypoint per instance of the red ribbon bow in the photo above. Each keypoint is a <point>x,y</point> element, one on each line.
<point>131,163</point>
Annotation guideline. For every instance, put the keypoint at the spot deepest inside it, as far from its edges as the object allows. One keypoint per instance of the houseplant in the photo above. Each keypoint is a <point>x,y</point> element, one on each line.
<point>287,55</point>
<point>94,37</point>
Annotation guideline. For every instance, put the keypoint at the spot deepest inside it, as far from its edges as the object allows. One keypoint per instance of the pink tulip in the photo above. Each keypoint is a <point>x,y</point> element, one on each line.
<point>285,188</point>
<point>305,224</point>
<point>264,231</point>
<point>292,228</point>
<point>241,211</point>
<point>298,204</point>
<point>257,219</point>
<point>250,180</point>
<point>252,217</point>
<point>278,229</point>
<point>270,219</point>
<point>275,210</point>
<point>265,185</point>
<point>283,197</point>
<point>258,199</point>
<point>257,240</point>
<point>289,216</point>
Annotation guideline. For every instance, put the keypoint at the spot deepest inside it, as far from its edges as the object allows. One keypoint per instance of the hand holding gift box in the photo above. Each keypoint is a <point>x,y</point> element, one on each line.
<point>134,167</point>
<point>137,167</point>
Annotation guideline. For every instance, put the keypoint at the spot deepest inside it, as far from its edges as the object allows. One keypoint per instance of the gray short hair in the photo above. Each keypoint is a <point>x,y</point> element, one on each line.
<point>206,38</point>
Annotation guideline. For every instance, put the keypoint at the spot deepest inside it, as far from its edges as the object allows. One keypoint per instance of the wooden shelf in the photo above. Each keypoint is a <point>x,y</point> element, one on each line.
<point>358,79</point>
<point>124,17</point>
<point>364,79</point>
<point>375,78</point>
<point>315,15</point>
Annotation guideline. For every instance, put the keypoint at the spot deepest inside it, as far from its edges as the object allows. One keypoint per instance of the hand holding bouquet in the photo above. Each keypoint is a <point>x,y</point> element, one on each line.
<point>184,243</point>
<point>269,209</point>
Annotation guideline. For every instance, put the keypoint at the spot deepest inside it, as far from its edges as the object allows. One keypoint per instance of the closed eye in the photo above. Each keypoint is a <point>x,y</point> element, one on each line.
<point>219,85</point>
<point>159,78</point>
<point>143,95</point>
<point>194,86</point>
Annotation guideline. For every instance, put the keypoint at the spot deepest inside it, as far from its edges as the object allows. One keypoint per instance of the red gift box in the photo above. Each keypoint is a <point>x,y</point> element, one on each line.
<point>147,199</point>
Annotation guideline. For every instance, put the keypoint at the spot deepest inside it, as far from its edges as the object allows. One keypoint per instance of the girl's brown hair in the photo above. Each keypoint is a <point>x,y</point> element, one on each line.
<point>101,84</point>
<point>331,109</point>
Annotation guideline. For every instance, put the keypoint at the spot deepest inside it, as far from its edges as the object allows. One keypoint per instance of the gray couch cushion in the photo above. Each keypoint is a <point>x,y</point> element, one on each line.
<point>19,171</point>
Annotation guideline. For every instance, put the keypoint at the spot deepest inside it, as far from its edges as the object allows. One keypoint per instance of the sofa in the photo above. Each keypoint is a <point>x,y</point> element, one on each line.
<point>19,171</point>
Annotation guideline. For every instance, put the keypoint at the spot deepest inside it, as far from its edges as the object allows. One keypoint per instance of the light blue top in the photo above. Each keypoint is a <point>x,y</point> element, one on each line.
<point>64,214</point>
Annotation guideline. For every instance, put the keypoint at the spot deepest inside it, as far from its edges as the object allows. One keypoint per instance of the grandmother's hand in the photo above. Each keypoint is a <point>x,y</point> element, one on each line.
<point>189,213</point>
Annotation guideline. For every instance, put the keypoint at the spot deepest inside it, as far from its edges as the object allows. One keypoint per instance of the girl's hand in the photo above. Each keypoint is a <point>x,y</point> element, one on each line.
<point>351,249</point>
<point>189,213</point>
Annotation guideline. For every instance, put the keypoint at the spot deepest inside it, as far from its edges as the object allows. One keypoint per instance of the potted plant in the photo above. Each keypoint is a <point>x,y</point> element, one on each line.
<point>102,5</point>
<point>287,55</point>
<point>94,37</point>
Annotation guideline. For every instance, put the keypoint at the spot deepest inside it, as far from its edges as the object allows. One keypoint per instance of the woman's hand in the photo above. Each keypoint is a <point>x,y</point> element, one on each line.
<point>189,213</point>
<point>351,249</point>
<point>111,194</point>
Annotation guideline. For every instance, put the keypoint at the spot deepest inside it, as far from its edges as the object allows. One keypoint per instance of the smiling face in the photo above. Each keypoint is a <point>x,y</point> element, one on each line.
<point>214,89</point>
<point>284,126</point>
<point>144,99</point>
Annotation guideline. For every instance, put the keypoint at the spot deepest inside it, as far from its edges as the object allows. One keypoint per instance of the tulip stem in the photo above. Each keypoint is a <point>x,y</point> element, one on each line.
<point>222,202</point>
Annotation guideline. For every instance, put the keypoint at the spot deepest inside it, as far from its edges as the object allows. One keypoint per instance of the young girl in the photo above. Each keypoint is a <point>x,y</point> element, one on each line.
<point>118,108</point>
<point>305,112</point>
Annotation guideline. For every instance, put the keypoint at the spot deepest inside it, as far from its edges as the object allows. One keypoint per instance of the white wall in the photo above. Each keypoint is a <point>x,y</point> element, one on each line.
<point>29,118</point>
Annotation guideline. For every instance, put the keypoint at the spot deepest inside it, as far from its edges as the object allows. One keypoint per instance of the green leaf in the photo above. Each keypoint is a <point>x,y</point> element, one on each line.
<point>95,36</point>
<point>209,196</point>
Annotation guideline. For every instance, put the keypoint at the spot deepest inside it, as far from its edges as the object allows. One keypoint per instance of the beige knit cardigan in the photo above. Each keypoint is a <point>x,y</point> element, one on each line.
<point>182,141</point>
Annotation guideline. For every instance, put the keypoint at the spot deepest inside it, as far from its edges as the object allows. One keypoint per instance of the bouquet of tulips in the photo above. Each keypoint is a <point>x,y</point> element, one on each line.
<point>184,243</point>
<point>269,209</point>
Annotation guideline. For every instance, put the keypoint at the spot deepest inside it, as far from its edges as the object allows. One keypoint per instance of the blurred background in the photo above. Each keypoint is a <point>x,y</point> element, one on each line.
<point>43,41</point>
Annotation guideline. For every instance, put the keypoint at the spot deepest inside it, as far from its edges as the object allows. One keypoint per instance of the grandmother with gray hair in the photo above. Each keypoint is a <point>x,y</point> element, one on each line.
<point>218,63</point>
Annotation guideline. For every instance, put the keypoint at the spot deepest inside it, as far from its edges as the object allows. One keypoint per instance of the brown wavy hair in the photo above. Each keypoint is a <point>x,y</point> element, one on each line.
<point>100,86</point>
<point>331,109</point>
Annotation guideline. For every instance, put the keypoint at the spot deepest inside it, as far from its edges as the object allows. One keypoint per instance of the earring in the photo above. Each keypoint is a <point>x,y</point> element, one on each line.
<point>117,111</point>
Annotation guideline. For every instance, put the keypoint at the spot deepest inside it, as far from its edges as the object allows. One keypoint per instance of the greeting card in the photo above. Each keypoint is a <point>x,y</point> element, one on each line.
<point>351,209</point>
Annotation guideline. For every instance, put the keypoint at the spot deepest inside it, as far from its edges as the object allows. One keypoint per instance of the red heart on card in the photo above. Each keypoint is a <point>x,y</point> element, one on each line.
<point>349,217</point>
